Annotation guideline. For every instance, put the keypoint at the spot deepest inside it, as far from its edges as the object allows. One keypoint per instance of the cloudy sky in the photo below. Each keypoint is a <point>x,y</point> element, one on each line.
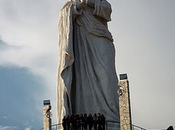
<point>144,33</point>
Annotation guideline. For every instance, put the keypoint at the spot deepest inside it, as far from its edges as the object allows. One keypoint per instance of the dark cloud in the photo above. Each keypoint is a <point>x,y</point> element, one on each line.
<point>19,89</point>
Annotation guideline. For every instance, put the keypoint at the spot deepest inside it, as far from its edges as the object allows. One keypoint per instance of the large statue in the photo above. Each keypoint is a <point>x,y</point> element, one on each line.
<point>87,80</point>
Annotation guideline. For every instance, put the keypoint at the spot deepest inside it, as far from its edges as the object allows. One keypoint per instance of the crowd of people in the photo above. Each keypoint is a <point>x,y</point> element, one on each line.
<point>84,122</point>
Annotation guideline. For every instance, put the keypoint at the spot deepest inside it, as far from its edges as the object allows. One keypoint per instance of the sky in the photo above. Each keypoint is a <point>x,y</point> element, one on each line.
<point>144,38</point>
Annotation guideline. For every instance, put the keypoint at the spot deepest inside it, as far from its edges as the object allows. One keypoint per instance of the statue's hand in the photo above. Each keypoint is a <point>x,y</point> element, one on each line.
<point>81,4</point>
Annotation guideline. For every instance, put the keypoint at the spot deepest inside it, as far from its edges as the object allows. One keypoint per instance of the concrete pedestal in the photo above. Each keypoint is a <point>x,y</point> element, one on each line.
<point>47,115</point>
<point>124,103</point>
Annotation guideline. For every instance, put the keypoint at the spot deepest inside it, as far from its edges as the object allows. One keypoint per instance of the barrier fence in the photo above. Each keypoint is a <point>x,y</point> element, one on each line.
<point>108,125</point>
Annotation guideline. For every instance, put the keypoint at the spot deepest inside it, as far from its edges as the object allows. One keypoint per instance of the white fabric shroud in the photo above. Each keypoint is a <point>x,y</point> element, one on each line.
<point>87,80</point>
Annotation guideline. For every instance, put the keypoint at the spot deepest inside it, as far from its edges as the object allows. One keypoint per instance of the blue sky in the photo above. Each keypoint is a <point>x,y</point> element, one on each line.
<point>144,37</point>
<point>19,88</point>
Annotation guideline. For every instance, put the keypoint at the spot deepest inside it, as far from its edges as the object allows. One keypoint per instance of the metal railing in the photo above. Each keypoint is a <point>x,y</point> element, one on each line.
<point>108,124</point>
<point>134,127</point>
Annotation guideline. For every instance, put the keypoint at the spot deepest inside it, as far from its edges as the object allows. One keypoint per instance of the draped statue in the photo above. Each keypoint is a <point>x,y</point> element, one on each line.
<point>87,80</point>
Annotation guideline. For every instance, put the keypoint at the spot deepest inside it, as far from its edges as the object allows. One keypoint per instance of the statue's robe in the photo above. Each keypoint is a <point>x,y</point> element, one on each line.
<point>87,80</point>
